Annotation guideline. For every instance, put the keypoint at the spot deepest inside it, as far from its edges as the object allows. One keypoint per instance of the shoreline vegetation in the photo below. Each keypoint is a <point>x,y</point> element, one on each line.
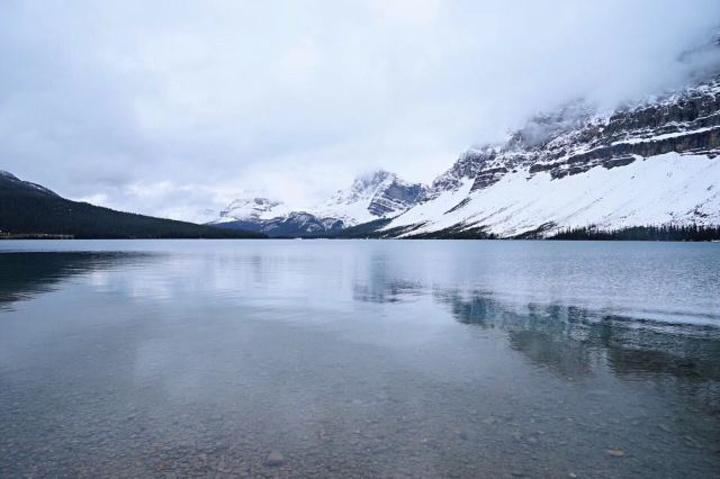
<point>38,236</point>
<point>692,233</point>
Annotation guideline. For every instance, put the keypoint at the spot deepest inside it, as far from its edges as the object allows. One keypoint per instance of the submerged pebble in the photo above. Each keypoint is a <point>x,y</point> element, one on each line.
<point>274,459</point>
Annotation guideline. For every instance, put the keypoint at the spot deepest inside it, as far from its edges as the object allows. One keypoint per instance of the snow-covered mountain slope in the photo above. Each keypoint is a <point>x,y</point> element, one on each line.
<point>256,208</point>
<point>668,189</point>
<point>377,195</point>
<point>653,163</point>
<point>370,197</point>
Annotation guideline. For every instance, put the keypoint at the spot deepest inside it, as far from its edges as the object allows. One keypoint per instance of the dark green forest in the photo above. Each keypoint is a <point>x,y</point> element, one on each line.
<point>28,209</point>
<point>638,233</point>
<point>643,233</point>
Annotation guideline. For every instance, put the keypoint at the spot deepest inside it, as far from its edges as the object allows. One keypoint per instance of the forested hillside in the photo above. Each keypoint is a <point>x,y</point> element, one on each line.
<point>27,208</point>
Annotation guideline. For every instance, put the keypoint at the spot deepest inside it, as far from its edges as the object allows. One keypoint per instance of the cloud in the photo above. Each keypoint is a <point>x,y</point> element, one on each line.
<point>414,13</point>
<point>172,108</point>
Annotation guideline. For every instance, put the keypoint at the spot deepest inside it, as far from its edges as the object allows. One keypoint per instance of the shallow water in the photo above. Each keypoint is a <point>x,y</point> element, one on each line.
<point>359,359</point>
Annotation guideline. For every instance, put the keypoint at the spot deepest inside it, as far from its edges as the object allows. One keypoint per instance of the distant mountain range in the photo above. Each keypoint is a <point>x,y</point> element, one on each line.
<point>374,196</point>
<point>648,170</point>
<point>30,209</point>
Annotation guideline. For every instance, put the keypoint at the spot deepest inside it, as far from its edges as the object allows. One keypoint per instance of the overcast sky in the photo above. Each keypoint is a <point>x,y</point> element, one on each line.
<point>173,107</point>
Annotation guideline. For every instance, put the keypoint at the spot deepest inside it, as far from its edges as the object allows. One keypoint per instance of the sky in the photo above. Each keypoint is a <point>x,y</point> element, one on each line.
<point>174,108</point>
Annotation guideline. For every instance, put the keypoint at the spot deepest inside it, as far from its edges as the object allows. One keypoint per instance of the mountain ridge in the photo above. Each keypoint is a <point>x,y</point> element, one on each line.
<point>371,196</point>
<point>656,163</point>
<point>29,209</point>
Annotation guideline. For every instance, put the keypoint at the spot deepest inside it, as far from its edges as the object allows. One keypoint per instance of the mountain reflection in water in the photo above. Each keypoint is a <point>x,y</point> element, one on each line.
<point>23,276</point>
<point>572,342</point>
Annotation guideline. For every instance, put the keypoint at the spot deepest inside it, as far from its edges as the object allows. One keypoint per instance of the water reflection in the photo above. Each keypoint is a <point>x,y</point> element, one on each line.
<point>23,276</point>
<point>386,292</point>
<point>574,342</point>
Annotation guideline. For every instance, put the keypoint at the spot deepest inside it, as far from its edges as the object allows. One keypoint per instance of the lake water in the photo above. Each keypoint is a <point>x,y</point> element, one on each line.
<point>359,359</point>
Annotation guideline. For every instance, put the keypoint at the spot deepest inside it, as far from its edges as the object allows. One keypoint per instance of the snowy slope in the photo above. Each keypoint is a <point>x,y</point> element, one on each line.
<point>653,163</point>
<point>669,189</point>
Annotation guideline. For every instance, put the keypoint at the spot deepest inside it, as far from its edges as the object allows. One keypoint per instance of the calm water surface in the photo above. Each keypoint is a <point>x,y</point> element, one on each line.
<point>414,359</point>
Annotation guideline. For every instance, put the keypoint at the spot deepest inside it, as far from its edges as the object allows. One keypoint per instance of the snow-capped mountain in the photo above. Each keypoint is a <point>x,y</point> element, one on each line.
<point>653,163</point>
<point>293,224</point>
<point>251,209</point>
<point>377,195</point>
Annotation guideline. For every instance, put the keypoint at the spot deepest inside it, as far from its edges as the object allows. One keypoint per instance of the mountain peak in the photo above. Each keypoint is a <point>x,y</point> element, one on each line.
<point>375,194</point>
<point>6,175</point>
<point>374,177</point>
<point>252,208</point>
<point>367,183</point>
<point>12,182</point>
<point>544,126</point>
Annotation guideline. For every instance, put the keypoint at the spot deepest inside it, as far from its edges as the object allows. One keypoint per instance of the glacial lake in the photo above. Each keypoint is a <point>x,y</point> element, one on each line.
<point>397,359</point>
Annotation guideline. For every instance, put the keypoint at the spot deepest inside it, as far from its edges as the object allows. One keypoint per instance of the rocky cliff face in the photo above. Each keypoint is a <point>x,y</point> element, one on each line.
<point>373,196</point>
<point>530,182</point>
<point>573,140</point>
<point>487,163</point>
<point>685,123</point>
